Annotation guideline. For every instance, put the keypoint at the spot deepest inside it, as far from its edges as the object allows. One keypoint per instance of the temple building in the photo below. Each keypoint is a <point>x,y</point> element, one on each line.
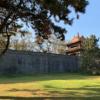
<point>75,46</point>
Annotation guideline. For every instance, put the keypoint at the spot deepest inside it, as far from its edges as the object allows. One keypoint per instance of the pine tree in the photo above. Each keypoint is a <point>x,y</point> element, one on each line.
<point>90,55</point>
<point>39,14</point>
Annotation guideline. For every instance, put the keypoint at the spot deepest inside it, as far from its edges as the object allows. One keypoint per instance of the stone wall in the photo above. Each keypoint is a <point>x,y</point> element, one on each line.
<point>31,62</point>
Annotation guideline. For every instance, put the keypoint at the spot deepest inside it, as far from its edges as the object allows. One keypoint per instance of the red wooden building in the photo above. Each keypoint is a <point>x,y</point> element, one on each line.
<point>75,46</point>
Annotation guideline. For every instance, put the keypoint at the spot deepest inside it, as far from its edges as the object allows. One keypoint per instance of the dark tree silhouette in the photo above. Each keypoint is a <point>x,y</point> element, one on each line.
<point>39,14</point>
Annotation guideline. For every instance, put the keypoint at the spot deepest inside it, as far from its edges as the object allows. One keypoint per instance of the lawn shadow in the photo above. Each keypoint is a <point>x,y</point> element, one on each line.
<point>33,98</point>
<point>48,98</point>
<point>40,77</point>
<point>50,91</point>
<point>74,92</point>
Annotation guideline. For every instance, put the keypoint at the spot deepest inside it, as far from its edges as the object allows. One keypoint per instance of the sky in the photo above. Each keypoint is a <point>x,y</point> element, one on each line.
<point>88,23</point>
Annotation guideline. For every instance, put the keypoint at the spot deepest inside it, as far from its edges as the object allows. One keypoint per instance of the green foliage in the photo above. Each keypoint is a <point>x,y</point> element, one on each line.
<point>39,14</point>
<point>91,55</point>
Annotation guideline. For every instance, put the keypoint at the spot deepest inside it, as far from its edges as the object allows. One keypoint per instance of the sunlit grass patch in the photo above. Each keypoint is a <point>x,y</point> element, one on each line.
<point>52,85</point>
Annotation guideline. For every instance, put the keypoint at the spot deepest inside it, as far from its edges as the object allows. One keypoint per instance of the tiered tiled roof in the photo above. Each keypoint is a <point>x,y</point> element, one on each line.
<point>75,45</point>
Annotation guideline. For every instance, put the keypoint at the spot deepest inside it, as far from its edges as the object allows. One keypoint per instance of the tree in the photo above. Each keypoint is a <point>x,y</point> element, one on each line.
<point>91,55</point>
<point>51,45</point>
<point>22,43</point>
<point>39,14</point>
<point>56,45</point>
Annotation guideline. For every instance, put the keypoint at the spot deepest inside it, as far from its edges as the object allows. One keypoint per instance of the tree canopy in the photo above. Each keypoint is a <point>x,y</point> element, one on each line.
<point>90,58</point>
<point>39,14</point>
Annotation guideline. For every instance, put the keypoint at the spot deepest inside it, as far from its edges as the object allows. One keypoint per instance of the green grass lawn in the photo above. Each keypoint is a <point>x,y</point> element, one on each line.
<point>51,85</point>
